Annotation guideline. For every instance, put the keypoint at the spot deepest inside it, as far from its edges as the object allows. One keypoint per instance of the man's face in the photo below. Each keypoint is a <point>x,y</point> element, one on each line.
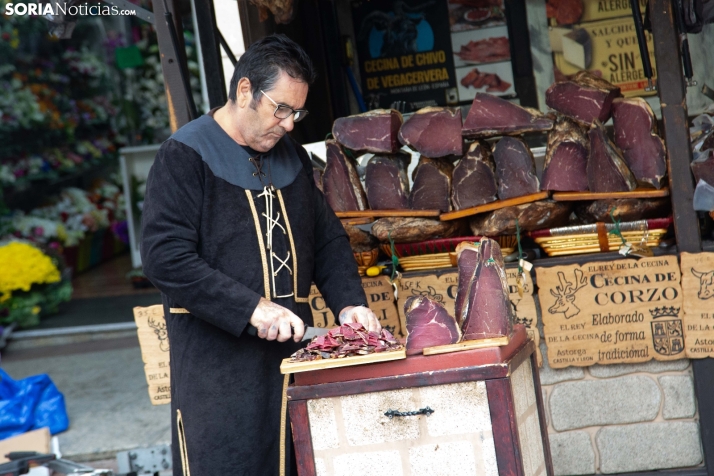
<point>258,126</point>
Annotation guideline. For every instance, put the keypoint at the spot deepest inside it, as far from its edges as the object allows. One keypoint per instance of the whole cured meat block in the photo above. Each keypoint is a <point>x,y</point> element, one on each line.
<point>360,240</point>
<point>428,325</point>
<point>625,209</point>
<point>467,257</point>
<point>432,185</point>
<point>636,135</point>
<point>340,182</point>
<point>607,170</point>
<point>531,216</point>
<point>412,230</point>
<point>566,158</point>
<point>584,98</point>
<point>487,312</point>
<point>515,168</point>
<point>474,178</point>
<point>434,132</point>
<point>374,131</point>
<point>317,176</point>
<point>492,116</point>
<point>387,183</point>
<point>703,168</point>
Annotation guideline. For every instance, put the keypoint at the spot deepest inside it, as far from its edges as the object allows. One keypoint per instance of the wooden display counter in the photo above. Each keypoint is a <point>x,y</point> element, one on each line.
<point>474,412</point>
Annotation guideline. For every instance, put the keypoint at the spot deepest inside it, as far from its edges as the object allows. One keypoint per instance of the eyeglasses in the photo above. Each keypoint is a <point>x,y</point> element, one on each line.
<point>283,112</point>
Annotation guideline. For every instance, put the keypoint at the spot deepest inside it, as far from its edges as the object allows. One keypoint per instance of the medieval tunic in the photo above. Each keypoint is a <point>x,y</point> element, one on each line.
<point>222,227</point>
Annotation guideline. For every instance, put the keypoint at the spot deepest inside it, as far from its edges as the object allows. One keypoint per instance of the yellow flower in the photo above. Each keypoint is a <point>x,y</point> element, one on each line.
<point>36,309</point>
<point>22,266</point>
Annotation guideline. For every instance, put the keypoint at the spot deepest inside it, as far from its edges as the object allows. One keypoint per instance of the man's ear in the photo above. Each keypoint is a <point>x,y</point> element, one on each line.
<point>244,93</point>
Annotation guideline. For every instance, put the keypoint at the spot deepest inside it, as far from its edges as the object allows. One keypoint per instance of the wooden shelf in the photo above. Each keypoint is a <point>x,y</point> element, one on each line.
<point>637,193</point>
<point>357,221</point>
<point>467,345</point>
<point>488,207</point>
<point>288,367</point>
<point>389,213</point>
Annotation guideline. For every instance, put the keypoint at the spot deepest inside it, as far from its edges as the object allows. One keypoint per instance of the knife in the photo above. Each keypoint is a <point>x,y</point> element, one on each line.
<point>310,332</point>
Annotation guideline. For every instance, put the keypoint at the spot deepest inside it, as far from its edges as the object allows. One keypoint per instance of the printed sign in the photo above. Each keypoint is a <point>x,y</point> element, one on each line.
<point>612,312</point>
<point>698,289</point>
<point>595,10</point>
<point>404,51</point>
<point>442,287</point>
<point>380,295</point>
<point>154,342</point>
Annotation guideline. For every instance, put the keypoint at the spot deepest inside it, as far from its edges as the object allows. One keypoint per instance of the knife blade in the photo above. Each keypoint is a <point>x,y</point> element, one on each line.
<point>310,332</point>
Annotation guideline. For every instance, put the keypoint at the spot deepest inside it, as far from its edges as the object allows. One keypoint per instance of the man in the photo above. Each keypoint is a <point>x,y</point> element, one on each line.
<point>234,232</point>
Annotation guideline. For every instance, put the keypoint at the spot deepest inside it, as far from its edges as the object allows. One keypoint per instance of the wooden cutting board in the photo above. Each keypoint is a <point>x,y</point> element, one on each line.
<point>467,345</point>
<point>288,367</point>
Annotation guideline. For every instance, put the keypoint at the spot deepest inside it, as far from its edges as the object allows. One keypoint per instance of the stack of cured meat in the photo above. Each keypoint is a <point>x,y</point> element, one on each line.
<point>482,309</point>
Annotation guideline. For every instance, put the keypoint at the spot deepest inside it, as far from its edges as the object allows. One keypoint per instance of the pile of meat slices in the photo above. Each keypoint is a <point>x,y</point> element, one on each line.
<point>486,51</point>
<point>348,340</point>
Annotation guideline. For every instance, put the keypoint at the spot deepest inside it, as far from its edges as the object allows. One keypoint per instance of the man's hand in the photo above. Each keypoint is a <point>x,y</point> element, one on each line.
<point>361,314</point>
<point>276,322</point>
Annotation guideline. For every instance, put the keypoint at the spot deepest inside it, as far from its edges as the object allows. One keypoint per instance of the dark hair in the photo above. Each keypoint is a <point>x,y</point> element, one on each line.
<point>263,61</point>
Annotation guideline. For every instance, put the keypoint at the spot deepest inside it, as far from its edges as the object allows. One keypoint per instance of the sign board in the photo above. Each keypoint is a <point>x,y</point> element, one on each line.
<point>380,296</point>
<point>595,10</point>
<point>154,342</point>
<point>612,312</point>
<point>698,289</point>
<point>442,287</point>
<point>404,51</point>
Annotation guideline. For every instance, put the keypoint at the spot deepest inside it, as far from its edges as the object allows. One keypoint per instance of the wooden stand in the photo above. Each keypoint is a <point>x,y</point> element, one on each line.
<point>637,193</point>
<point>473,412</point>
<point>498,204</point>
<point>389,213</point>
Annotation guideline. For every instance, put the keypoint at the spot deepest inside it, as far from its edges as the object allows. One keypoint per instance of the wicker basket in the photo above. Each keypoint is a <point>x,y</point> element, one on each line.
<point>589,243</point>
<point>435,260</point>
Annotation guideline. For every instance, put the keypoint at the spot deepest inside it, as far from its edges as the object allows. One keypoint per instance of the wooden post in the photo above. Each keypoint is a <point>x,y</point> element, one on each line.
<point>171,64</point>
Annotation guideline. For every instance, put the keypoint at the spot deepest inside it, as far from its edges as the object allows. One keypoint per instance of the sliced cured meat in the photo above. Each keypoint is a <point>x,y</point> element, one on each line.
<point>566,158</point>
<point>515,168</point>
<point>491,81</point>
<point>432,185</point>
<point>531,216</point>
<point>703,168</point>
<point>474,178</point>
<point>360,240</point>
<point>412,230</point>
<point>428,325</point>
<point>317,176</point>
<point>434,132</point>
<point>607,170</point>
<point>625,209</point>
<point>636,135</point>
<point>374,131</point>
<point>487,312</point>
<point>486,50</point>
<point>583,98</point>
<point>467,257</point>
<point>340,182</point>
<point>387,183</point>
<point>491,116</point>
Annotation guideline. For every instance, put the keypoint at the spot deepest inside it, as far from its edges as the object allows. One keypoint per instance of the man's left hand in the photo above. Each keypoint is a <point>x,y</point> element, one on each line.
<point>361,314</point>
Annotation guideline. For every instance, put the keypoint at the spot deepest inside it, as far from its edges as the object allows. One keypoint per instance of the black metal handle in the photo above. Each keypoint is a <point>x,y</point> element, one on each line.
<point>422,411</point>
<point>642,42</point>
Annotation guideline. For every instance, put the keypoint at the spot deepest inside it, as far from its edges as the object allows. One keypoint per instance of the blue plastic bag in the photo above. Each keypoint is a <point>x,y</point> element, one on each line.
<point>29,404</point>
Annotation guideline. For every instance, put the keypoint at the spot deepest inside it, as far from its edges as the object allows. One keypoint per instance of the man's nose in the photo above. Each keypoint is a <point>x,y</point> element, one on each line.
<point>288,123</point>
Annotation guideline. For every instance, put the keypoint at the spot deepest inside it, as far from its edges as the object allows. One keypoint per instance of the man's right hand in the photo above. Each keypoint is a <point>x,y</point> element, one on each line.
<point>274,322</point>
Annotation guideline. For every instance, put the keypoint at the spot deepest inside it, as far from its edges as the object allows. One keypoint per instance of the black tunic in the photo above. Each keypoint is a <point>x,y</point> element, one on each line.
<point>206,246</point>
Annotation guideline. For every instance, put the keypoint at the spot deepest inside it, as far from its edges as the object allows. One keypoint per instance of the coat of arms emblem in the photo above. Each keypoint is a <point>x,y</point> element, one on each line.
<point>667,334</point>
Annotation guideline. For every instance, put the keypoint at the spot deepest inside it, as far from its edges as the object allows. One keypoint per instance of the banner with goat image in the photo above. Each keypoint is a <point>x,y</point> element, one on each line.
<point>612,312</point>
<point>698,287</point>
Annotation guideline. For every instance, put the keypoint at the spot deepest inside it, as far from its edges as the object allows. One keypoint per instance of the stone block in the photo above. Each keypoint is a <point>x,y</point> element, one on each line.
<point>447,459</point>
<point>549,376</point>
<point>615,401</point>
<point>653,366</point>
<point>572,453</point>
<point>373,463</point>
<point>320,467</point>
<point>459,408</point>
<point>648,446</point>
<point>366,424</point>
<point>323,426</point>
<point>678,396</point>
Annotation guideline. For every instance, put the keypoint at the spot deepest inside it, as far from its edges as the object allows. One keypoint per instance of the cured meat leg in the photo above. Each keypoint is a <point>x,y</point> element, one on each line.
<point>607,170</point>
<point>412,230</point>
<point>531,216</point>
<point>584,98</point>
<point>340,182</point>
<point>374,131</point>
<point>474,178</point>
<point>566,158</point>
<point>428,325</point>
<point>467,257</point>
<point>432,185</point>
<point>636,135</point>
<point>434,132</point>
<point>491,116</point>
<point>515,168</point>
<point>387,182</point>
